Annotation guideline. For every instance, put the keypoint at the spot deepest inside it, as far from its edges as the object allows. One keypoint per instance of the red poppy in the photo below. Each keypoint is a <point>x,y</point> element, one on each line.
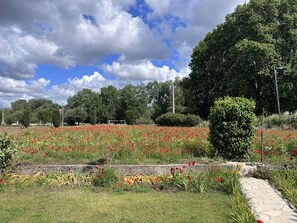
<point>294,152</point>
<point>181,171</point>
<point>193,163</point>
<point>219,179</point>
<point>259,221</point>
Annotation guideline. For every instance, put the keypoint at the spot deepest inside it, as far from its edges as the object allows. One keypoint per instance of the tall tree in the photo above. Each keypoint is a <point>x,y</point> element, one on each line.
<point>131,104</point>
<point>238,58</point>
<point>75,116</point>
<point>56,118</point>
<point>109,97</point>
<point>19,105</point>
<point>86,99</point>
<point>26,118</point>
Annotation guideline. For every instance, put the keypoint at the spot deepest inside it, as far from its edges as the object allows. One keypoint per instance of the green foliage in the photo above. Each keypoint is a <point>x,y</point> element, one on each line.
<point>93,116</point>
<point>241,209</point>
<point>232,127</point>
<point>239,56</point>
<point>75,115</point>
<point>192,120</point>
<point>26,118</point>
<point>19,105</point>
<point>176,119</point>
<point>132,103</point>
<point>10,181</point>
<point>286,120</point>
<point>286,182</point>
<point>105,177</point>
<point>7,150</point>
<point>225,180</point>
<point>45,115</point>
<point>199,148</point>
<point>56,118</point>
<point>171,119</point>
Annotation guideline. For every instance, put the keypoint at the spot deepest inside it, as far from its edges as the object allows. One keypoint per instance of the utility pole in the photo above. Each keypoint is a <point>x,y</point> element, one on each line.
<point>276,88</point>
<point>173,100</point>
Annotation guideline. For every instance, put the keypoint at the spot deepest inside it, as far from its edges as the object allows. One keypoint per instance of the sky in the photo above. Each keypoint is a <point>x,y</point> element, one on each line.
<point>53,49</point>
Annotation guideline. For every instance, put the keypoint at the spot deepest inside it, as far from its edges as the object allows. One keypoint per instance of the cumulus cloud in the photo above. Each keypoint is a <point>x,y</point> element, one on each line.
<point>144,71</point>
<point>66,33</point>
<point>185,23</point>
<point>77,32</point>
<point>14,90</point>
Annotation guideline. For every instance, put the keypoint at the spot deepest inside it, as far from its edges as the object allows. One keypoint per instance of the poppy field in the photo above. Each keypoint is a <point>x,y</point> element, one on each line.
<point>139,144</point>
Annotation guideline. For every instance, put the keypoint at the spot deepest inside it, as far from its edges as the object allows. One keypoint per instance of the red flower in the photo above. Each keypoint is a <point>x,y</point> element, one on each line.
<point>189,177</point>
<point>193,163</point>
<point>259,221</point>
<point>172,169</point>
<point>181,171</point>
<point>294,152</point>
<point>184,167</point>
<point>219,179</point>
<point>97,167</point>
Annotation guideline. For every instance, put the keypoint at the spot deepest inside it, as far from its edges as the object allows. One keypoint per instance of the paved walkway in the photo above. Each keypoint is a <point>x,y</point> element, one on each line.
<point>266,203</point>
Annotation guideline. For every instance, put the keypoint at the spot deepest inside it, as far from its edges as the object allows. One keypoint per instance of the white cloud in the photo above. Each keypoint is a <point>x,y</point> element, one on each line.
<point>195,19</point>
<point>78,32</point>
<point>14,90</point>
<point>82,32</point>
<point>60,93</point>
<point>159,7</point>
<point>142,71</point>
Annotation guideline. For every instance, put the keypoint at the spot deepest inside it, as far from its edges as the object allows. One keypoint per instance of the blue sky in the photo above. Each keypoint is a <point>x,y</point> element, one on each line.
<point>52,49</point>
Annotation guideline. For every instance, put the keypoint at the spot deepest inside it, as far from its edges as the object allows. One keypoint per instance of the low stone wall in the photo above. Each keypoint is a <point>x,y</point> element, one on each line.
<point>149,169</point>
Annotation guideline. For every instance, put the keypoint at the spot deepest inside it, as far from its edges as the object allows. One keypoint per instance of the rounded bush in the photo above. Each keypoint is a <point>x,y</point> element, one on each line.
<point>232,127</point>
<point>192,120</point>
<point>171,119</point>
<point>176,119</point>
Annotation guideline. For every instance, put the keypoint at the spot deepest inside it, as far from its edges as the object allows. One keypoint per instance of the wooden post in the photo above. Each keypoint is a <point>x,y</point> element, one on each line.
<point>262,147</point>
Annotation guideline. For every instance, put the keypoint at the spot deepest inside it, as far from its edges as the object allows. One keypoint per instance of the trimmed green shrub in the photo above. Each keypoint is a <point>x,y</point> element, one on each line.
<point>171,119</point>
<point>56,118</point>
<point>7,150</point>
<point>176,119</point>
<point>93,116</point>
<point>232,127</point>
<point>26,118</point>
<point>192,120</point>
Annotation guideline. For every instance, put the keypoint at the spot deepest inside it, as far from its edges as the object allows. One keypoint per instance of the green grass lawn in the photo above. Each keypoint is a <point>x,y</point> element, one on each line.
<point>84,205</point>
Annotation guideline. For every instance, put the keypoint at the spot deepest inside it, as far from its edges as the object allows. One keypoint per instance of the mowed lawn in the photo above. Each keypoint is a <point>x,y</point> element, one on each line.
<point>85,205</point>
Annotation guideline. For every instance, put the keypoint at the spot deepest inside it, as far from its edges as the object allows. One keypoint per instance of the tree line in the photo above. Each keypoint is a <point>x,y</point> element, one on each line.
<point>140,104</point>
